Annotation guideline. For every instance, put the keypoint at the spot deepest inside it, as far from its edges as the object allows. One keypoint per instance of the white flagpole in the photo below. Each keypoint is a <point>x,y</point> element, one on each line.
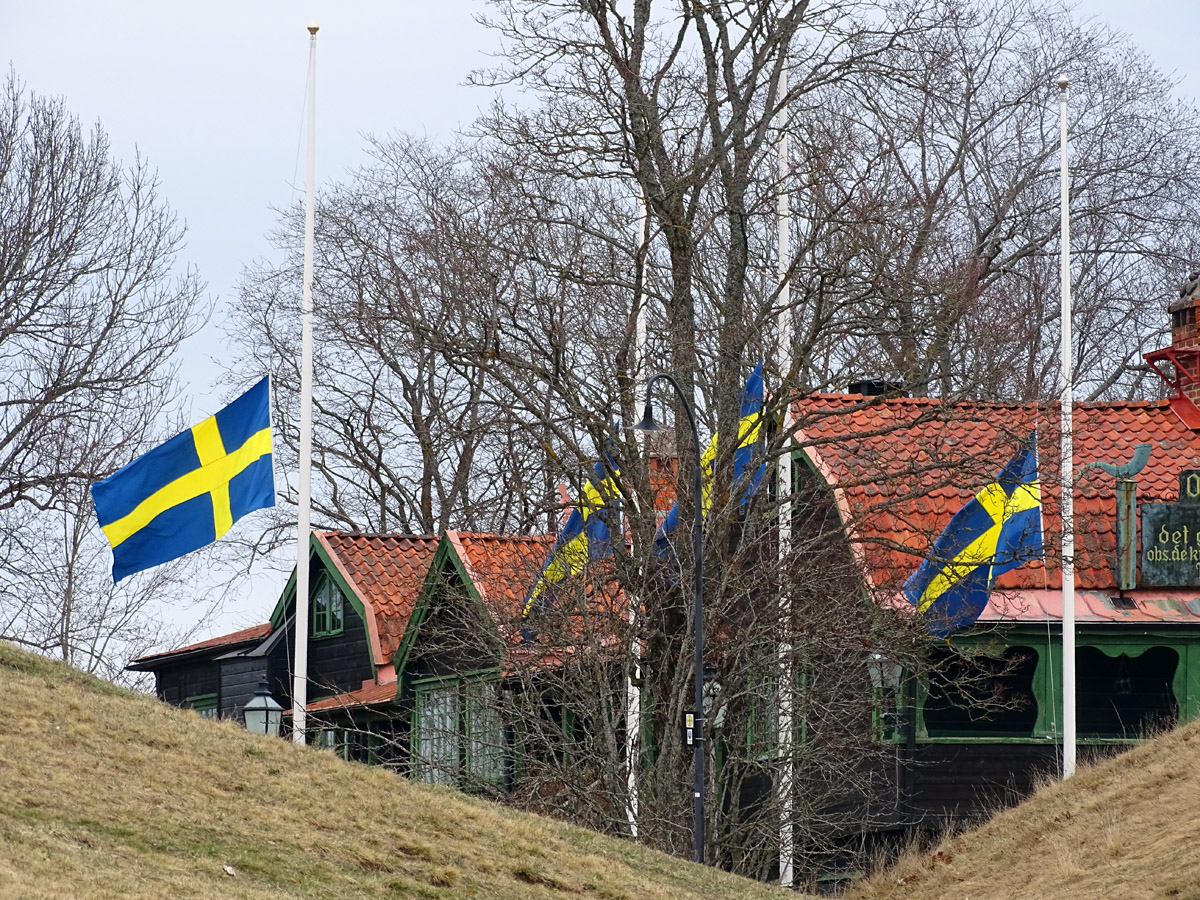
<point>1068,466</point>
<point>786,675</point>
<point>300,673</point>
<point>633,693</point>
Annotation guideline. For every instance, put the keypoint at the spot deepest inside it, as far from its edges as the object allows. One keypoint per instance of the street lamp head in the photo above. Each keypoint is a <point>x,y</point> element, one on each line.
<point>262,714</point>
<point>648,422</point>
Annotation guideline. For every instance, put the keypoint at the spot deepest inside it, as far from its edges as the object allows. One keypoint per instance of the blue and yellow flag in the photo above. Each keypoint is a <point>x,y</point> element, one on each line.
<point>1000,529</point>
<point>187,492</point>
<point>584,537</point>
<point>749,439</point>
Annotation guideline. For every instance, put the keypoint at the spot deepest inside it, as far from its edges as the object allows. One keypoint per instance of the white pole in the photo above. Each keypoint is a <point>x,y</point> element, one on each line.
<point>786,675</point>
<point>1068,466</point>
<point>300,674</point>
<point>633,693</point>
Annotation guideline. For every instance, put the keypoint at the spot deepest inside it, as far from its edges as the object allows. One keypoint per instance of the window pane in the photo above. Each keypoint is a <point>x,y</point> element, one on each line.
<point>981,697</point>
<point>320,608</point>
<point>486,747</point>
<point>335,610</point>
<point>1125,696</point>
<point>327,608</point>
<point>204,704</point>
<point>437,735</point>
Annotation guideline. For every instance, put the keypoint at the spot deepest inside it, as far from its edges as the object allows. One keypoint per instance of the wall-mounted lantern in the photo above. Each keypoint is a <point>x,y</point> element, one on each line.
<point>262,714</point>
<point>884,672</point>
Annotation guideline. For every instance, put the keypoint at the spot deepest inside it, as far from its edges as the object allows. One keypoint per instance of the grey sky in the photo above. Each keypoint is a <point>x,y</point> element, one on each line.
<point>215,99</point>
<point>212,94</point>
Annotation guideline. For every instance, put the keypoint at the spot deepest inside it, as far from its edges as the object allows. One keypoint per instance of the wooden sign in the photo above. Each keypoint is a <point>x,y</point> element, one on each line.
<point>1189,486</point>
<point>1171,541</point>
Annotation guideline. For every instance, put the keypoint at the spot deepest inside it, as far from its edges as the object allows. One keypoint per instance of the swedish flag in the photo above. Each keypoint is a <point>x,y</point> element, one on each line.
<point>584,537</point>
<point>188,492</point>
<point>749,439</point>
<point>1000,529</point>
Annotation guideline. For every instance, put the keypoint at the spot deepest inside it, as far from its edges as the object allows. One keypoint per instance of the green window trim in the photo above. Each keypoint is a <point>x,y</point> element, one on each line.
<point>204,704</point>
<point>335,740</point>
<point>762,710</point>
<point>484,732</point>
<point>762,721</point>
<point>328,609</point>
<point>1047,688</point>
<point>457,732</point>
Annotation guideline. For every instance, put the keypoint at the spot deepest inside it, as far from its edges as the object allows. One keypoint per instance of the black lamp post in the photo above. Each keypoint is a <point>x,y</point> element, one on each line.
<point>696,731</point>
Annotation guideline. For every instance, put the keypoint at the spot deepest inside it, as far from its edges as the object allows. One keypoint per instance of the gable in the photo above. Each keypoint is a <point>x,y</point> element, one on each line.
<point>449,620</point>
<point>486,577</point>
<point>379,575</point>
<point>900,468</point>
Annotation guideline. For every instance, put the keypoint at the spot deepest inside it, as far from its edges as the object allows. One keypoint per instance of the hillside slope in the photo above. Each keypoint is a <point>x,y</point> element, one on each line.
<point>108,794</point>
<point>1127,827</point>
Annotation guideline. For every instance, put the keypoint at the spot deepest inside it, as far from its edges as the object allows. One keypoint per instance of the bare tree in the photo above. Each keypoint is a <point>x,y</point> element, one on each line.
<point>91,315</point>
<point>405,438</point>
<point>480,305</point>
<point>951,274</point>
<point>465,335</point>
<point>66,604</point>
<point>675,103</point>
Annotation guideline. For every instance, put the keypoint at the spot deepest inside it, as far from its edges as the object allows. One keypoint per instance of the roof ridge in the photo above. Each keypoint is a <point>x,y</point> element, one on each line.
<point>868,401</point>
<point>491,535</point>
<point>378,535</point>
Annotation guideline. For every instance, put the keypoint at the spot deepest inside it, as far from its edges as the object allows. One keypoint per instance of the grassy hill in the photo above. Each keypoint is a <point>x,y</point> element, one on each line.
<point>1127,828</point>
<point>104,794</point>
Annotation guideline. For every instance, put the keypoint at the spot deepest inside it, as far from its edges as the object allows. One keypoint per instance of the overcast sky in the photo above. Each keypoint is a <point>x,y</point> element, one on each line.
<point>213,96</point>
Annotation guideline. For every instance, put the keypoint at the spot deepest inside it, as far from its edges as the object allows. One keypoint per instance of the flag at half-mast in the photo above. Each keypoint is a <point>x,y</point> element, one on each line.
<point>186,493</point>
<point>584,537</point>
<point>750,437</point>
<point>1000,529</point>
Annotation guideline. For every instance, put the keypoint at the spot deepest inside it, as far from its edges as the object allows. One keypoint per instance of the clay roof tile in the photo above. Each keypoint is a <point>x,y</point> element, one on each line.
<point>944,454</point>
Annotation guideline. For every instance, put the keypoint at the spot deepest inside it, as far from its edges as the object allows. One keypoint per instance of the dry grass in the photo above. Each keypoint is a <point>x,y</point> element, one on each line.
<point>108,794</point>
<point>1126,827</point>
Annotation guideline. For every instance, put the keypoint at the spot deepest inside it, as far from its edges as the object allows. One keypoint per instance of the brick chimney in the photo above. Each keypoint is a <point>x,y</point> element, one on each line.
<point>1183,375</point>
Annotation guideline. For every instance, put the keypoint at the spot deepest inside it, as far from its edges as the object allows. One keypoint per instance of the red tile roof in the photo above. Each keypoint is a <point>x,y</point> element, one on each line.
<point>662,484</point>
<point>386,571</point>
<point>246,635</point>
<point>502,567</point>
<point>367,695</point>
<point>900,468</point>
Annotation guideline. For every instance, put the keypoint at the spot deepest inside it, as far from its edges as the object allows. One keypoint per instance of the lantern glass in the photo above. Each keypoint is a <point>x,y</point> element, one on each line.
<point>884,672</point>
<point>262,714</point>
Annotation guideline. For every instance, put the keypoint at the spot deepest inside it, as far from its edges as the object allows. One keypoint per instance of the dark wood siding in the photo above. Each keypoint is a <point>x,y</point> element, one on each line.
<point>956,783</point>
<point>335,664</point>
<point>964,781</point>
<point>340,663</point>
<point>452,639</point>
<point>190,679</point>
<point>239,679</point>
